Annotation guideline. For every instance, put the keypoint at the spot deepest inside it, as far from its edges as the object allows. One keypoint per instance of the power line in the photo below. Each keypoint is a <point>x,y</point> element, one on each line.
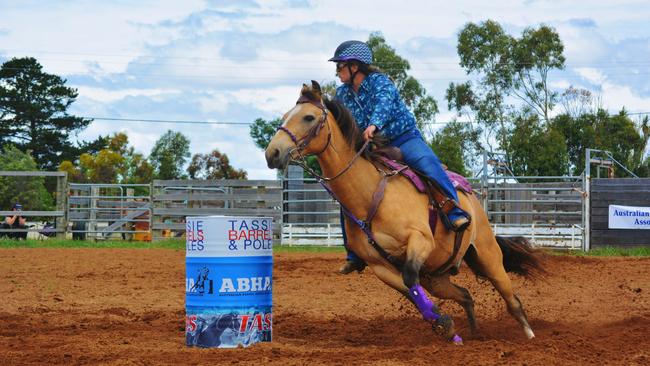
<point>143,120</point>
<point>166,121</point>
<point>276,60</point>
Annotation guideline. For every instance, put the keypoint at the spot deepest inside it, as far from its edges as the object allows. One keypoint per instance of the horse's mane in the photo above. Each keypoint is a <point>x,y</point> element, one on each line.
<point>353,134</point>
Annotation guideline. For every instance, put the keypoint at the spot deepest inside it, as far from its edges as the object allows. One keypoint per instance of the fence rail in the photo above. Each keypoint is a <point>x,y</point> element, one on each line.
<point>173,200</point>
<point>548,210</point>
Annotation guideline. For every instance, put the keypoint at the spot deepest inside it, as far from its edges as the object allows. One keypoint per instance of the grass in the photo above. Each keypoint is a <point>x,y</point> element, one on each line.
<point>66,243</point>
<point>179,244</point>
<point>615,252</point>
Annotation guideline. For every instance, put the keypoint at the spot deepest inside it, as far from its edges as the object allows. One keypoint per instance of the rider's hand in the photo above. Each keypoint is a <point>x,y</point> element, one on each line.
<point>369,133</point>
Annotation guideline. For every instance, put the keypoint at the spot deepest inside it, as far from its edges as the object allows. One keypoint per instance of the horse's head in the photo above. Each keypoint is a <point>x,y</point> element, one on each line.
<point>300,134</point>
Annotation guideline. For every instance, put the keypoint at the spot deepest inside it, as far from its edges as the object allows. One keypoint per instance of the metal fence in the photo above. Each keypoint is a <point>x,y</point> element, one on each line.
<point>549,210</point>
<point>57,216</point>
<point>109,211</point>
<point>173,200</point>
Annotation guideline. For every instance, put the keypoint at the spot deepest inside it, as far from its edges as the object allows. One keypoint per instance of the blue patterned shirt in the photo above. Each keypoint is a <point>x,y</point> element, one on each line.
<point>377,103</point>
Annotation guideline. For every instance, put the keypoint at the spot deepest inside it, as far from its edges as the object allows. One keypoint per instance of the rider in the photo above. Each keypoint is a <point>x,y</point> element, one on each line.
<point>377,107</point>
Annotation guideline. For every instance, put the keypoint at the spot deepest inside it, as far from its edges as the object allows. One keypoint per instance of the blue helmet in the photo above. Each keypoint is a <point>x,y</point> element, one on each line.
<point>353,50</point>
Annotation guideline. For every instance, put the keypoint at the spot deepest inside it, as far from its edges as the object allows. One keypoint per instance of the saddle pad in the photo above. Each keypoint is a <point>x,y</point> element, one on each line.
<point>459,182</point>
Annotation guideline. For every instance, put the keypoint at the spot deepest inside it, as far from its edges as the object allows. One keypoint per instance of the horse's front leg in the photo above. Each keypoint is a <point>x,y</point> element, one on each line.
<point>417,252</point>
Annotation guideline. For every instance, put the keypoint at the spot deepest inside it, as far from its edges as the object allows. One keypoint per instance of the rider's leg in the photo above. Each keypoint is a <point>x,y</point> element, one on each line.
<point>418,155</point>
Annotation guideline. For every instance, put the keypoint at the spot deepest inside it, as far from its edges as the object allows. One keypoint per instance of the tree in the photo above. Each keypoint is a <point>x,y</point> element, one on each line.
<point>169,155</point>
<point>505,66</point>
<point>29,191</point>
<point>262,131</point>
<point>33,112</point>
<point>455,145</point>
<point>214,165</point>
<point>577,102</point>
<point>484,50</point>
<point>533,55</point>
<point>536,151</point>
<point>617,134</point>
<point>117,162</point>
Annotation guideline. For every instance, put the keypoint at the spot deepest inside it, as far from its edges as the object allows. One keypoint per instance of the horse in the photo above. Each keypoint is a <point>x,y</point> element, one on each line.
<point>400,223</point>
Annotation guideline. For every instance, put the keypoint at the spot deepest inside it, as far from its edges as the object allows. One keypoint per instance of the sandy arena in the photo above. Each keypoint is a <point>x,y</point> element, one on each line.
<point>126,307</point>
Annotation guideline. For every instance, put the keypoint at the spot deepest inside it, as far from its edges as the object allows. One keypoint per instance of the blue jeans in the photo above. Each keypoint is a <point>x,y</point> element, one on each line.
<point>419,156</point>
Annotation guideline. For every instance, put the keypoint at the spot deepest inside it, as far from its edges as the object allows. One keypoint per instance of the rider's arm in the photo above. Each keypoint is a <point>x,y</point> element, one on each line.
<point>384,99</point>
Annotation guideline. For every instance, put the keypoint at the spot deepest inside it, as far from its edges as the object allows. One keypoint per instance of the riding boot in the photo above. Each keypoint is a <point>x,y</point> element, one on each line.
<point>458,219</point>
<point>351,266</point>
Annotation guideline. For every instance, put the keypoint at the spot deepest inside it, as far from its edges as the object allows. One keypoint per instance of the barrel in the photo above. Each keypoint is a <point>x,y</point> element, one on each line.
<point>228,281</point>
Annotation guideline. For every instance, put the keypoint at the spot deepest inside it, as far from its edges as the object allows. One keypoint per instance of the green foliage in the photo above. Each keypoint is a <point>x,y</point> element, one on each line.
<point>617,134</point>
<point>117,162</point>
<point>29,191</point>
<point>174,244</point>
<point>169,155</point>
<point>536,53</point>
<point>537,151</point>
<point>33,112</point>
<point>505,66</point>
<point>213,166</point>
<point>455,144</point>
<point>423,106</point>
<point>262,131</point>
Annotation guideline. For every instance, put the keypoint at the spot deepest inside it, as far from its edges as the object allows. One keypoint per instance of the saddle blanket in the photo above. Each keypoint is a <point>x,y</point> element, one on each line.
<point>460,183</point>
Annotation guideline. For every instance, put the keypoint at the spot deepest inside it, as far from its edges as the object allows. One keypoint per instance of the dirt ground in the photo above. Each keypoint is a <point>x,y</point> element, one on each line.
<point>126,307</point>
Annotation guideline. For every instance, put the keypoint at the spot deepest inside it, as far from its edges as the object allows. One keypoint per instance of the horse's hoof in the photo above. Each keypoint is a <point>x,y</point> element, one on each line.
<point>444,327</point>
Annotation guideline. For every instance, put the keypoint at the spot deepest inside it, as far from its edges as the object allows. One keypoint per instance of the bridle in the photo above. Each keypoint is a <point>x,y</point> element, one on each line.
<point>296,153</point>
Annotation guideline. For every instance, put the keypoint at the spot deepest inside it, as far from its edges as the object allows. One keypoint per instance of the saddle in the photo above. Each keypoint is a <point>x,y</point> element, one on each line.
<point>390,158</point>
<point>386,160</point>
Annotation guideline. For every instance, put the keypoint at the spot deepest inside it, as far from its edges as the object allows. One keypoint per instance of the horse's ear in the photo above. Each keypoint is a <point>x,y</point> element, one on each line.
<point>305,89</point>
<point>315,86</point>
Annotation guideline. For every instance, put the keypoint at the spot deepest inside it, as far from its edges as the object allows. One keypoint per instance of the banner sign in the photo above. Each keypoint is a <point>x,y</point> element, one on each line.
<point>629,217</point>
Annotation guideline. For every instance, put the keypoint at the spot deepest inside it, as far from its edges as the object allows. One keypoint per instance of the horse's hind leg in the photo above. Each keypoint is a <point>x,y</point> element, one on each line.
<point>441,287</point>
<point>487,260</point>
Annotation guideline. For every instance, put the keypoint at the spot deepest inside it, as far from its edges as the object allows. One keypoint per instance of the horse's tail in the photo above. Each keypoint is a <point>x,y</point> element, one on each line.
<point>520,257</point>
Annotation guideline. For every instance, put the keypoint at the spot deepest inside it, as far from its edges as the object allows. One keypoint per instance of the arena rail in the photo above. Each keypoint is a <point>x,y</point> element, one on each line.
<point>57,216</point>
<point>173,200</point>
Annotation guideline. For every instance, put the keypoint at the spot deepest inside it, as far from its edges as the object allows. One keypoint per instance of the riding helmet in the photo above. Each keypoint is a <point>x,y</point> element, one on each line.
<point>353,50</point>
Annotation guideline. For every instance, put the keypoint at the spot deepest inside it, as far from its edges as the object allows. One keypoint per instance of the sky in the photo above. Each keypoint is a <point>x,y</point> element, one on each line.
<point>230,62</point>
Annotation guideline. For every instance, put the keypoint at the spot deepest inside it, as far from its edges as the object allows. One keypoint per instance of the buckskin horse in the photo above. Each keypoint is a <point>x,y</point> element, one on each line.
<point>396,238</point>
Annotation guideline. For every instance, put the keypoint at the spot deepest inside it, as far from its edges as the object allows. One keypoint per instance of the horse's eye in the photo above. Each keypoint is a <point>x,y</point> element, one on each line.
<point>309,118</point>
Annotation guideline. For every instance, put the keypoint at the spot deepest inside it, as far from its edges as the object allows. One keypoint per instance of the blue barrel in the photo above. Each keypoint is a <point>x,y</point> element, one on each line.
<point>228,281</point>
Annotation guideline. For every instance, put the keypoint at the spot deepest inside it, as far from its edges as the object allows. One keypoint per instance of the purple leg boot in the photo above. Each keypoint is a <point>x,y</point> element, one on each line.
<point>440,323</point>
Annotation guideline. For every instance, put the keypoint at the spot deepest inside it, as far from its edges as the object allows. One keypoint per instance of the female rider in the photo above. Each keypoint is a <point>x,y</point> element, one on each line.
<point>377,107</point>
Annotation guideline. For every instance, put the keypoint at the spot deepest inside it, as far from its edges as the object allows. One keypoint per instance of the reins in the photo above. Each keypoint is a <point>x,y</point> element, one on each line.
<point>302,143</point>
<point>377,196</point>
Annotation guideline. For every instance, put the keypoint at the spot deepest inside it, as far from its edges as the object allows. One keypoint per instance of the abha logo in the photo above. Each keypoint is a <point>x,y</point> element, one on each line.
<point>201,285</point>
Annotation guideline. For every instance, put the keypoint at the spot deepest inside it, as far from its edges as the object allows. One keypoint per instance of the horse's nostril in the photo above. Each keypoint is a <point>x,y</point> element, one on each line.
<point>272,158</point>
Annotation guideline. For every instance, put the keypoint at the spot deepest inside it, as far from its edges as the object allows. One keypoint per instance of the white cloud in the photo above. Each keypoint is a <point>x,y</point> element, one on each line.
<point>108,96</point>
<point>592,75</point>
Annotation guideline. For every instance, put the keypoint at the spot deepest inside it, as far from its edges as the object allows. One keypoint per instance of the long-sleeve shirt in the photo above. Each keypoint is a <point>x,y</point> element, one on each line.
<point>377,103</point>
